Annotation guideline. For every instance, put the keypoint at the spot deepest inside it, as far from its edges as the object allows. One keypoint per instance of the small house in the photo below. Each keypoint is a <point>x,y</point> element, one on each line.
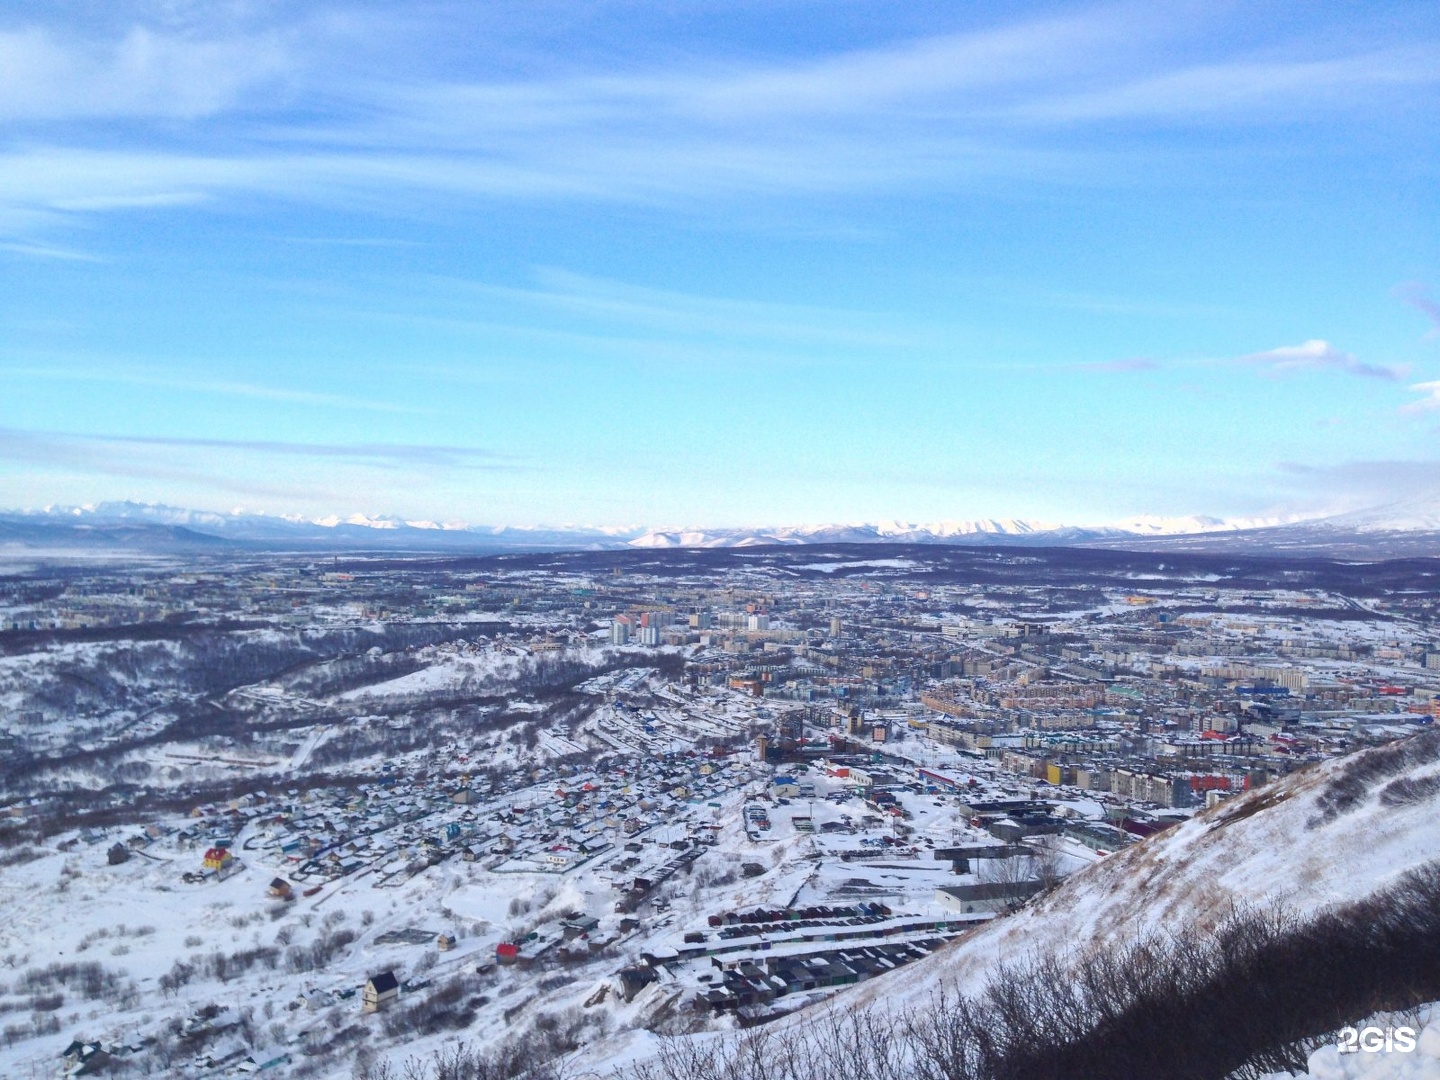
<point>83,1059</point>
<point>580,925</point>
<point>217,859</point>
<point>635,979</point>
<point>784,787</point>
<point>315,1000</point>
<point>117,854</point>
<point>445,942</point>
<point>986,896</point>
<point>507,952</point>
<point>380,990</point>
<point>281,889</point>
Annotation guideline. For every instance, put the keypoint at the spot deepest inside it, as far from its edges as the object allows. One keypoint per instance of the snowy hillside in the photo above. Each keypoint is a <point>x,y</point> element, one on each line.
<point>1319,837</point>
<point>1325,837</point>
<point>1421,513</point>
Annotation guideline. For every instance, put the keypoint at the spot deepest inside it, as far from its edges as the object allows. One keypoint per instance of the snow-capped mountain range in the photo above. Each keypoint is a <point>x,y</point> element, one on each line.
<point>1000,530</point>
<point>148,525</point>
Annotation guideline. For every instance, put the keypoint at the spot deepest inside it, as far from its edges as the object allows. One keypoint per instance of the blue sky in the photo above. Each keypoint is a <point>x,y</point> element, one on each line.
<point>720,263</point>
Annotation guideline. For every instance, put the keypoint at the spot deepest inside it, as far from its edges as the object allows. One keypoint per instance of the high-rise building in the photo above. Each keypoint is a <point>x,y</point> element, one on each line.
<point>620,630</point>
<point>835,626</point>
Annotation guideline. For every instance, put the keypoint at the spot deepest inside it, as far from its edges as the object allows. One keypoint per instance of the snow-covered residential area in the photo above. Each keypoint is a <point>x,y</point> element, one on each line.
<point>650,811</point>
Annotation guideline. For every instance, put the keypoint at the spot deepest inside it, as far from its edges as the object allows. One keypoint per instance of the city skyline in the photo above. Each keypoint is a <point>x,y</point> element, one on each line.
<point>743,265</point>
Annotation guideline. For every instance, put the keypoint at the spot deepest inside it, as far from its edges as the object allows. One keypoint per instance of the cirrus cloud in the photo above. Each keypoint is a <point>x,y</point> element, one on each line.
<point>1429,402</point>
<point>46,76</point>
<point>1319,355</point>
<point>1417,296</point>
<point>285,107</point>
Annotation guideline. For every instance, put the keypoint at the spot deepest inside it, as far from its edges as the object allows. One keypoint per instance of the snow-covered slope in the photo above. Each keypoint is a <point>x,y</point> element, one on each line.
<point>1326,836</point>
<point>1417,514</point>
<point>1196,524</point>
<point>1320,837</point>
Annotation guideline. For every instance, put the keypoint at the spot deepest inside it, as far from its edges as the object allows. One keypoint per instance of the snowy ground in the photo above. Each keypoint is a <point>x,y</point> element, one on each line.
<point>1420,1062</point>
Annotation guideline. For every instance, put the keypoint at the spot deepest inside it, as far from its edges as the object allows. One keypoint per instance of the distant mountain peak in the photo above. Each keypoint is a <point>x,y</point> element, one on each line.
<point>1413,525</point>
<point>1416,513</point>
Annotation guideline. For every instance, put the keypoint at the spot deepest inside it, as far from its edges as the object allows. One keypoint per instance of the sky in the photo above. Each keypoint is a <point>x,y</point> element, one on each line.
<point>728,262</point>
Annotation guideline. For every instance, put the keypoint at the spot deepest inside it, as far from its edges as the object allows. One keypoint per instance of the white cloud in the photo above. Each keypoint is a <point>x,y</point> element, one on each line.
<point>49,251</point>
<point>1415,295</point>
<point>909,74</point>
<point>67,446</point>
<point>143,73</point>
<point>1318,355</point>
<point>693,315</point>
<point>220,387</point>
<point>1267,87</point>
<point>931,112</point>
<point>1429,402</point>
<point>1125,365</point>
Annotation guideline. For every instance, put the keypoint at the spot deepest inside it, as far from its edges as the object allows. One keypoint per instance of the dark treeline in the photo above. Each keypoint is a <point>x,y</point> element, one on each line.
<point>985,564</point>
<point>121,805</point>
<point>179,675</point>
<point>213,659</point>
<point>17,642</point>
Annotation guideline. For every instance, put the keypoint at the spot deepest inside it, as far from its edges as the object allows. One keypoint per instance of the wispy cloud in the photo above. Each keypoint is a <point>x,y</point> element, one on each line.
<point>1313,355</point>
<point>221,387</point>
<point>1318,355</point>
<point>384,455</point>
<point>235,464</point>
<point>1429,402</point>
<point>1419,298</point>
<point>1263,87</point>
<point>98,456</point>
<point>932,111</point>
<point>49,251</point>
<point>354,241</point>
<point>141,73</point>
<point>691,315</point>
<point>1130,364</point>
